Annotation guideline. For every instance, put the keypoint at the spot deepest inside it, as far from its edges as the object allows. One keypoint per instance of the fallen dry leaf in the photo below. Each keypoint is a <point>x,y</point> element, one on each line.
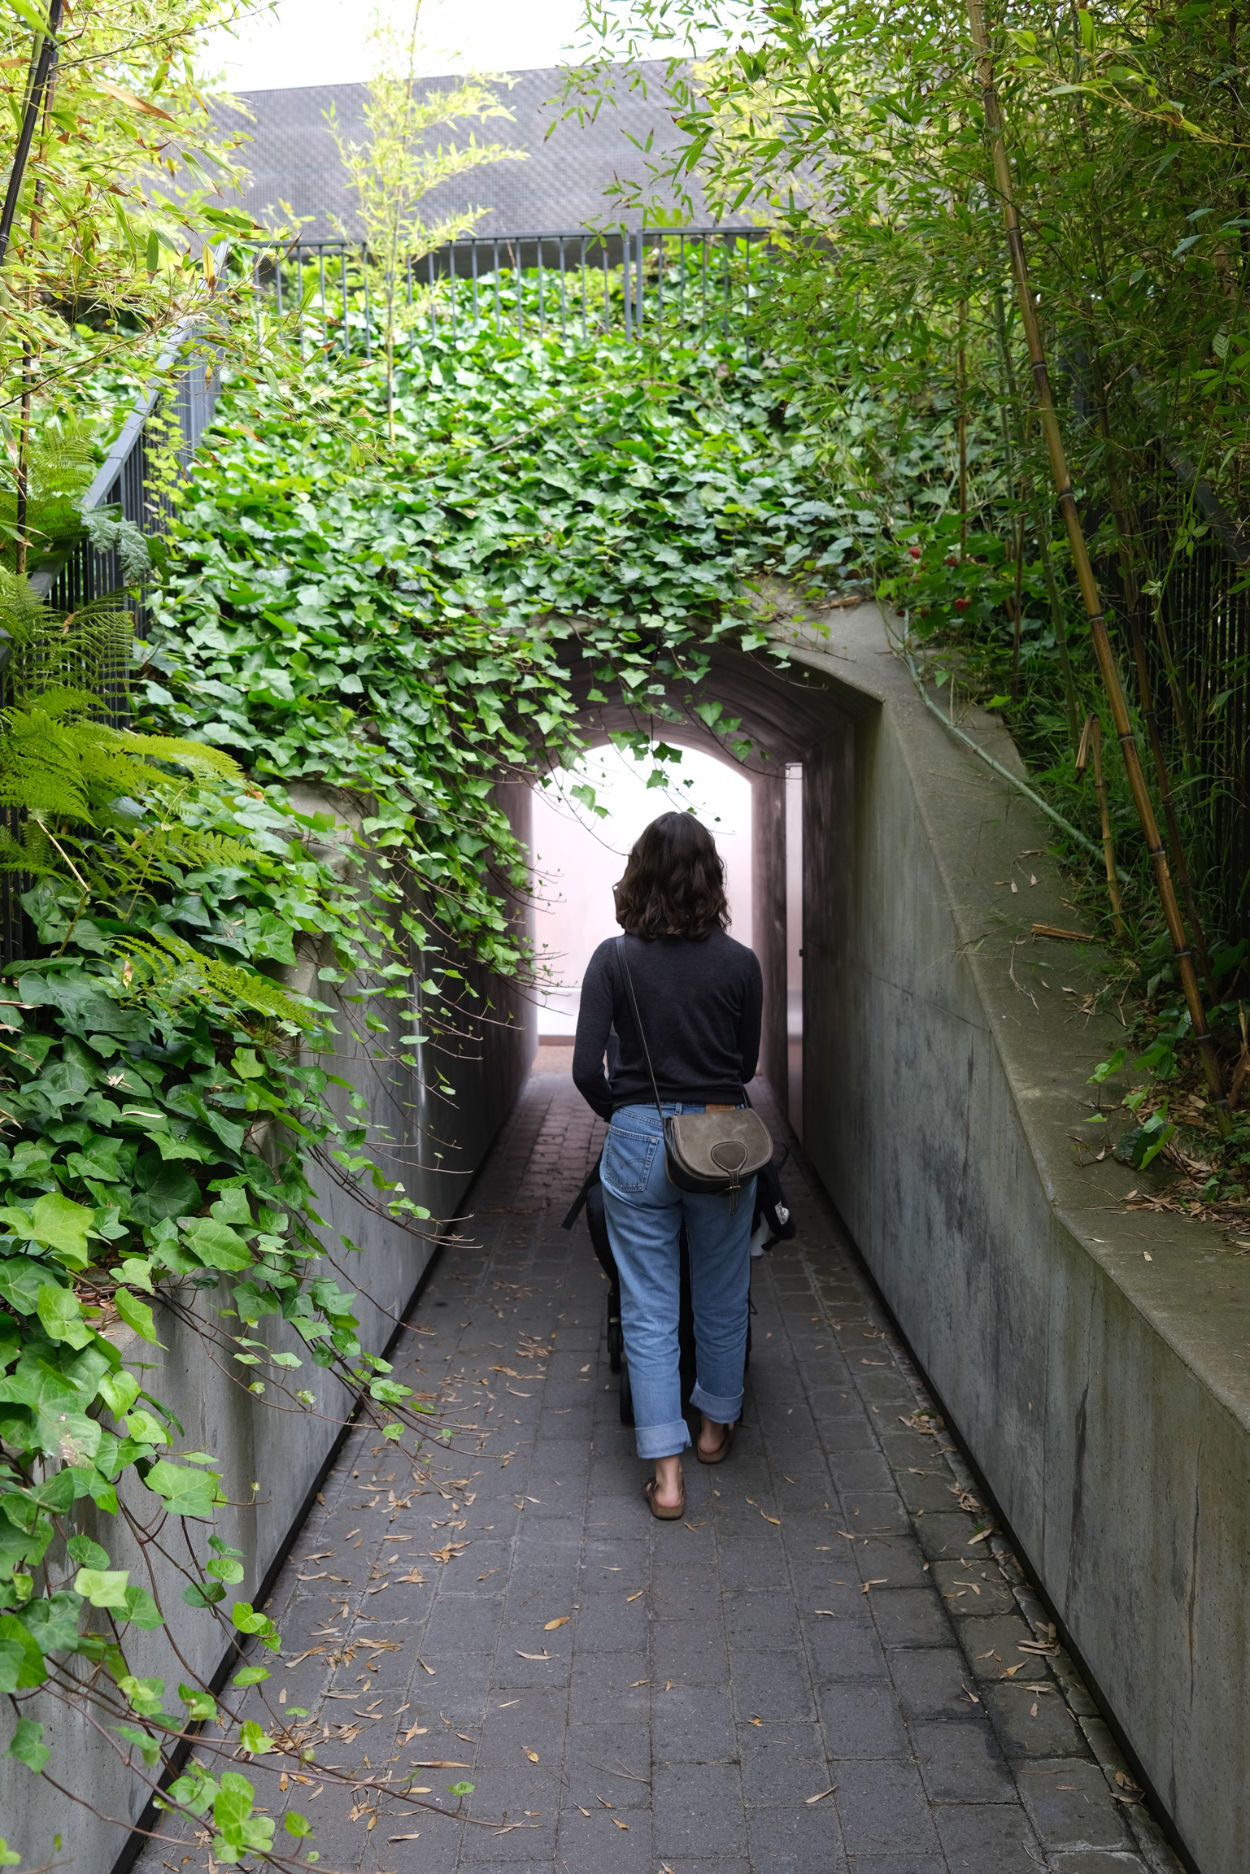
<point>531,1754</point>
<point>809,1800</point>
<point>521,1655</point>
<point>563,1621</point>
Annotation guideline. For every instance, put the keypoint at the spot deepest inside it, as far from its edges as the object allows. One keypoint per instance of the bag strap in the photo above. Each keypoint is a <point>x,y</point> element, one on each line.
<point>633,1005</point>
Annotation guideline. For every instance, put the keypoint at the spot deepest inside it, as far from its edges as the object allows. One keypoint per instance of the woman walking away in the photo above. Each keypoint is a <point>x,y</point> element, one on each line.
<point>698,998</point>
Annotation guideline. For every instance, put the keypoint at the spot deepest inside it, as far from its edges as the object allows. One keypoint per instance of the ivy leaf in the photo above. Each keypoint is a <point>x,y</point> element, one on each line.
<point>186,1492</point>
<point>62,1225</point>
<point>141,1609</point>
<point>28,1745</point>
<point>103,1587</point>
<point>166,1189</point>
<point>21,1279</point>
<point>21,1661</point>
<point>137,1315</point>
<point>61,1316</point>
<point>52,1620</point>
<point>119,1391</point>
<point>216,1245</point>
<point>82,1549</point>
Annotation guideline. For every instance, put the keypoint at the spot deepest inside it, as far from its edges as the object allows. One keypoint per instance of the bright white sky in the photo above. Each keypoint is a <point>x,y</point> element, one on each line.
<point>321,42</point>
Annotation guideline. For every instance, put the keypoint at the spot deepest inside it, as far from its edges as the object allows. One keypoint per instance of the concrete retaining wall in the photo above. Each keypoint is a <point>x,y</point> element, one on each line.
<point>271,1458</point>
<point>1093,1358</point>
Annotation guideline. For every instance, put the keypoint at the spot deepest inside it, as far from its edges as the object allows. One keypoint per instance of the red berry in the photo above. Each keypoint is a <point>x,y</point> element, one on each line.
<point>961,605</point>
<point>951,561</point>
<point>915,552</point>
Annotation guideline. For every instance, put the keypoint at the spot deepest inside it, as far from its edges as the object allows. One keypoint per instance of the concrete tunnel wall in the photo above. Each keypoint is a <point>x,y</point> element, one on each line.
<point>1092,1358</point>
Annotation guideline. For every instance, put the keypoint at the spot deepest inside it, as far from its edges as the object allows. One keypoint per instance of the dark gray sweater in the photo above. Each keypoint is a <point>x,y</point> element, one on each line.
<point>700,1004</point>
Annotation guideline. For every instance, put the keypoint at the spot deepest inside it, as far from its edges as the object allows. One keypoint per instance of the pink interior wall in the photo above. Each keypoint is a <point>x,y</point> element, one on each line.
<point>579,858</point>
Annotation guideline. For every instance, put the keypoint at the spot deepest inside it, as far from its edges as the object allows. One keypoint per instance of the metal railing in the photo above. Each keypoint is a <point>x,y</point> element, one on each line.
<point>165,425</point>
<point>681,283</point>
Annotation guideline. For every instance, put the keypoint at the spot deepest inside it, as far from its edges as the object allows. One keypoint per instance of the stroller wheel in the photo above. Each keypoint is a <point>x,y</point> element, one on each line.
<point>616,1339</point>
<point>627,1397</point>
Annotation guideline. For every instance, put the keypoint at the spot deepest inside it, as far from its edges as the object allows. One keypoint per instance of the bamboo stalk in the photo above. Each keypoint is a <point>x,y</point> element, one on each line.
<point>1091,746</point>
<point>962,424</point>
<point>1126,533</point>
<point>1085,573</point>
<point>1058,617</point>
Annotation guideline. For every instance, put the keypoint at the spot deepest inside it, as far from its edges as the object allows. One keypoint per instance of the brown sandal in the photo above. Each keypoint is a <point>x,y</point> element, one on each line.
<point>722,1450</point>
<point>664,1512</point>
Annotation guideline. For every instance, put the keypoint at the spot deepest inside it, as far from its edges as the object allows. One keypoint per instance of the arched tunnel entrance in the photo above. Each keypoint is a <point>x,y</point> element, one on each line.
<point>790,796</point>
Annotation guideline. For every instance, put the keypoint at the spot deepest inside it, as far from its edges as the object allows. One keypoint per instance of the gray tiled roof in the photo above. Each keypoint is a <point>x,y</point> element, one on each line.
<point>561,186</point>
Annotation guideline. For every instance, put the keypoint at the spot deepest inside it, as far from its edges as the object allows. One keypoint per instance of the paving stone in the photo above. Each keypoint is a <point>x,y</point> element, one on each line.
<point>688,1655</point>
<point>883,1808</point>
<point>861,1721</point>
<point>843,1649</point>
<point>756,1621</point>
<point>946,1536</point>
<point>530,1844</point>
<point>899,1864</point>
<point>987,1838</point>
<point>782,1763</point>
<point>693,1724</point>
<point>994,1647</point>
<point>935,1682</point>
<point>961,1762</point>
<point>715,1864</point>
<point>612,1762</point>
<point>891,1561</point>
<point>1099,1861</point>
<point>973,1592</point>
<point>859,1471</point>
<point>932,1493</point>
<point>772,1685</point>
<point>796,1840</point>
<point>1030,1725</point>
<point>1067,1803</point>
<point>910,1617</point>
<point>698,1808</point>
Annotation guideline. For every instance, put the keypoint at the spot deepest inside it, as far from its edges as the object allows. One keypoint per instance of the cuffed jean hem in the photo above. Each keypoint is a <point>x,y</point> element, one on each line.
<point>724,1411</point>
<point>662,1441</point>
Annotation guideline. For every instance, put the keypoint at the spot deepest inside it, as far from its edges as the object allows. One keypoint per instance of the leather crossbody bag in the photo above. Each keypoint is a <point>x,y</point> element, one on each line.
<point>715,1152</point>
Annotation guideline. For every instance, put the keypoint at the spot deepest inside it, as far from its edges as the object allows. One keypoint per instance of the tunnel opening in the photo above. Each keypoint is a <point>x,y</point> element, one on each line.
<point>783,813</point>
<point>585,820</point>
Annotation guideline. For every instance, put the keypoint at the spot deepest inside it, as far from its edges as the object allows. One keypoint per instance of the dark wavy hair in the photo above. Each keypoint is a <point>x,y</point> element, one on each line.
<point>674,883</point>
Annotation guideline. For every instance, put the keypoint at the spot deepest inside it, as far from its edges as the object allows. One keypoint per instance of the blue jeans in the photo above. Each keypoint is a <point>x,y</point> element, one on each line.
<point>644,1216</point>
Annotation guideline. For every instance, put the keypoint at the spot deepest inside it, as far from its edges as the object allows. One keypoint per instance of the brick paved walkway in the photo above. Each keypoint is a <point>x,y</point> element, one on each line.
<point>823,1670</point>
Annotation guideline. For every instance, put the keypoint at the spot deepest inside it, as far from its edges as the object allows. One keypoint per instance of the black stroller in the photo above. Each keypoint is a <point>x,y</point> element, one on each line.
<point>772,1216</point>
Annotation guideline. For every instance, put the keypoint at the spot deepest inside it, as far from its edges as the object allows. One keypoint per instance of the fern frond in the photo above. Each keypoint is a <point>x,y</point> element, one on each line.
<point>87,650</point>
<point>166,971</point>
<point>199,758</point>
<point>56,762</point>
